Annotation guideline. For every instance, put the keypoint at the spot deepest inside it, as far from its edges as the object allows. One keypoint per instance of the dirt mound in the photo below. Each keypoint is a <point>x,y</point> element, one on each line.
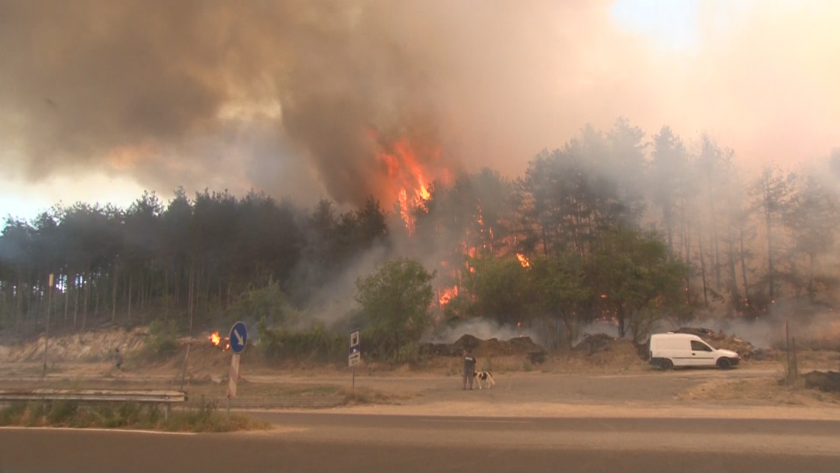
<point>483,348</point>
<point>95,345</point>
<point>592,344</point>
<point>721,340</point>
<point>600,343</point>
<point>828,381</point>
<point>607,352</point>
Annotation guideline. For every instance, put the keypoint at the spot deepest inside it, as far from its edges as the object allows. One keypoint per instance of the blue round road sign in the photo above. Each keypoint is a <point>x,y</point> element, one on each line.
<point>238,337</point>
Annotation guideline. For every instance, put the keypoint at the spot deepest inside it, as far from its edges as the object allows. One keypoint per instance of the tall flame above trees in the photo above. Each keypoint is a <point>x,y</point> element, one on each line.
<point>410,173</point>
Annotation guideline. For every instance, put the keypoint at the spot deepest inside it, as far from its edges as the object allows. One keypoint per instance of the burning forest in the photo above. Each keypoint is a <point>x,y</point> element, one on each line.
<point>562,246</point>
<point>347,140</point>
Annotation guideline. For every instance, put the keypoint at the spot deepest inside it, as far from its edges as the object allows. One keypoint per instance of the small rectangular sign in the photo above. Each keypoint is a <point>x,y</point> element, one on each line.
<point>354,359</point>
<point>354,339</point>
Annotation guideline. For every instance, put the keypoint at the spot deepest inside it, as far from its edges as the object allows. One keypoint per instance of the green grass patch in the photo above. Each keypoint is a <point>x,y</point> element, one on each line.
<point>202,418</point>
<point>371,396</point>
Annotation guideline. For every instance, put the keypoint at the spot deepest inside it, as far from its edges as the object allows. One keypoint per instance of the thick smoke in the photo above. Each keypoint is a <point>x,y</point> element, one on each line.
<point>812,325</point>
<point>282,95</point>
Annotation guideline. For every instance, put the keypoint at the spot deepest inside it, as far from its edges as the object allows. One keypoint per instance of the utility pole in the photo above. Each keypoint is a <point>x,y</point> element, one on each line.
<point>47,336</point>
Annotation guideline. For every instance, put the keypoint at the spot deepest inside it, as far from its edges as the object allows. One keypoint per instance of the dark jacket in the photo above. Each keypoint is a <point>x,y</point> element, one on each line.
<point>469,365</point>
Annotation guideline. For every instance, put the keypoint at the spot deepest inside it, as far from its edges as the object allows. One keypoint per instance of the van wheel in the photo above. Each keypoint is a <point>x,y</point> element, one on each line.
<point>665,364</point>
<point>724,363</point>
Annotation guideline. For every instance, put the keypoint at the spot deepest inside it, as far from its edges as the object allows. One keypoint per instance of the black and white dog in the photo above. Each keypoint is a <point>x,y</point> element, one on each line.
<point>484,376</point>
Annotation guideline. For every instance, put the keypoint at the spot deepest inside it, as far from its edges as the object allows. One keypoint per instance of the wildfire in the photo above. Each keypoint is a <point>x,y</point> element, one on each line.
<point>523,260</point>
<point>216,340</point>
<point>410,179</point>
<point>448,295</point>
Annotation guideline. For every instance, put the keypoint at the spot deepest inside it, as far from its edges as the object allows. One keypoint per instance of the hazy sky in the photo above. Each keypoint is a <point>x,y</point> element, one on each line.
<point>104,99</point>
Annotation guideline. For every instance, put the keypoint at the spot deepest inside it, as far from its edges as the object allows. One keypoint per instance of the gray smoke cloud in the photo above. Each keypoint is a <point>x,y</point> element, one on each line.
<point>282,95</point>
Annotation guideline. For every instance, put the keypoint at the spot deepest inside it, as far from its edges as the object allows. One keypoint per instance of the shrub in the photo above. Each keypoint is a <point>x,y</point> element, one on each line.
<point>129,413</point>
<point>62,412</point>
<point>269,303</point>
<point>316,344</point>
<point>202,418</point>
<point>408,353</point>
<point>162,338</point>
<point>12,414</point>
<point>35,414</point>
<point>395,299</point>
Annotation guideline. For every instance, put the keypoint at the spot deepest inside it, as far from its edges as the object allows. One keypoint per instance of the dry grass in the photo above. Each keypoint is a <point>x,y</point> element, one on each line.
<point>758,391</point>
<point>204,418</point>
<point>372,396</point>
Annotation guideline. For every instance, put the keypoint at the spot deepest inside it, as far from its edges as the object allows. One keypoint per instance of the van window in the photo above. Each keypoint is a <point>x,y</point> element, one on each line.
<point>699,346</point>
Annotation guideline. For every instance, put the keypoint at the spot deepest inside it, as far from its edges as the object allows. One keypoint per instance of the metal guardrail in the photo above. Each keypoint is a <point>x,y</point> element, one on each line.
<point>156,397</point>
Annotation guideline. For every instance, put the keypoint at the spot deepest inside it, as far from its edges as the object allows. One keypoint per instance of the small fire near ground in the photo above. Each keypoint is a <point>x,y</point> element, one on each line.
<point>216,340</point>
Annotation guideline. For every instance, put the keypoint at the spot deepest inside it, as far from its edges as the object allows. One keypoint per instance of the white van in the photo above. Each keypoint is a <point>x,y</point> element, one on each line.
<point>681,349</point>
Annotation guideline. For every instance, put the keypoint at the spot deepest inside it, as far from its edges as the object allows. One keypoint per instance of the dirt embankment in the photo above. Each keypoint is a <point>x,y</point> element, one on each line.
<point>96,345</point>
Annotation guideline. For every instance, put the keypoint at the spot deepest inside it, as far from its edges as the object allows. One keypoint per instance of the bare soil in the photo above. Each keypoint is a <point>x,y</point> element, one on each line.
<point>614,377</point>
<point>759,391</point>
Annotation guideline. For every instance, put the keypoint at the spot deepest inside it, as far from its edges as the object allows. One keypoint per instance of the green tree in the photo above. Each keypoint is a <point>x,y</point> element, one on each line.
<point>562,290</point>
<point>268,304</point>
<point>638,278</point>
<point>396,299</point>
<point>497,288</point>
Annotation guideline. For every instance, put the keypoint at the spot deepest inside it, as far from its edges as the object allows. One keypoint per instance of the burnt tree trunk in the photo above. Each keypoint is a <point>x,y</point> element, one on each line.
<point>130,281</point>
<point>744,268</point>
<point>703,271</point>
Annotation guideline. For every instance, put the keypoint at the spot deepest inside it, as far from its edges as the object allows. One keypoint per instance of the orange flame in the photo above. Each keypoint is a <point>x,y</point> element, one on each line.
<point>408,176</point>
<point>523,260</point>
<point>448,295</point>
<point>405,211</point>
<point>215,339</point>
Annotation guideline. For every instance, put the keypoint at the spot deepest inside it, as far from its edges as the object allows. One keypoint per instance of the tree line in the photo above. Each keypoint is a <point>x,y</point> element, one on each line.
<point>614,224</point>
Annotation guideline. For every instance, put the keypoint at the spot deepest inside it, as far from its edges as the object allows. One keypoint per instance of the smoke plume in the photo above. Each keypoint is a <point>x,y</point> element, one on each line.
<point>284,96</point>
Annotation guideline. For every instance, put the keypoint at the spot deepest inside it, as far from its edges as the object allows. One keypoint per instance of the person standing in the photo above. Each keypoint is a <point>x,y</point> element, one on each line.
<point>469,368</point>
<point>118,358</point>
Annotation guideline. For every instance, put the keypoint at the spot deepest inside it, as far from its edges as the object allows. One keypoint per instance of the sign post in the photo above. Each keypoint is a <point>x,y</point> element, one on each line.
<point>238,339</point>
<point>355,356</point>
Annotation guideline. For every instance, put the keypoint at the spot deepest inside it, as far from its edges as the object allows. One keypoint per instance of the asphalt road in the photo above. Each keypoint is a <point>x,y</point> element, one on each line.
<point>369,444</point>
